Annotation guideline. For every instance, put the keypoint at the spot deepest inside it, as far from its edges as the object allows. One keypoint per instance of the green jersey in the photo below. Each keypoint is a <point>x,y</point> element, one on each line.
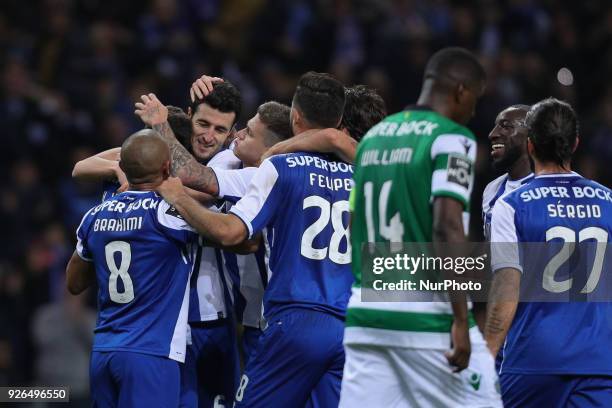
<point>402,164</point>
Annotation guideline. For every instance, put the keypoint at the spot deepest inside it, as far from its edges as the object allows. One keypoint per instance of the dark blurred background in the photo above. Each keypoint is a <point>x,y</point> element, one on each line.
<point>71,71</point>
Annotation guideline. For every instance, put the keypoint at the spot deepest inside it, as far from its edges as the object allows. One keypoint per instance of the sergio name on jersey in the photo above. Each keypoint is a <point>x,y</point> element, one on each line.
<point>558,337</point>
<point>402,164</point>
<point>142,252</point>
<point>303,199</point>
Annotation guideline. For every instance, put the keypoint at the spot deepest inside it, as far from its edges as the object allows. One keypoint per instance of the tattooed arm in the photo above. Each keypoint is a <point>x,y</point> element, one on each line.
<point>192,174</point>
<point>501,308</point>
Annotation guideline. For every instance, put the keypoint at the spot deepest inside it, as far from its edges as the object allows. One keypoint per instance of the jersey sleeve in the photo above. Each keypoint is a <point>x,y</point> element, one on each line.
<point>173,224</point>
<point>262,199</point>
<point>233,184</point>
<point>504,239</point>
<point>82,247</point>
<point>225,159</point>
<point>453,156</point>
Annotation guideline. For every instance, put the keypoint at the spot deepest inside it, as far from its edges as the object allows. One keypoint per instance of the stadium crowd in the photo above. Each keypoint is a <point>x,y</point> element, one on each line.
<point>71,74</point>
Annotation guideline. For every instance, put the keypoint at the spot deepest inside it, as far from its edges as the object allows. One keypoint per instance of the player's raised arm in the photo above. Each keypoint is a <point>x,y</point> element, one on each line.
<point>192,174</point>
<point>323,141</point>
<point>225,229</point>
<point>102,166</point>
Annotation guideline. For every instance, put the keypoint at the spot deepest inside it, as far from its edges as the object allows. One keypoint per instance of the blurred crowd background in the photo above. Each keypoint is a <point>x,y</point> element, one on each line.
<point>71,71</point>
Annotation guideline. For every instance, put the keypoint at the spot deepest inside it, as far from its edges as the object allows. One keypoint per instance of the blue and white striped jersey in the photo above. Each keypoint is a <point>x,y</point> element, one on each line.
<point>496,189</point>
<point>303,199</point>
<point>142,250</point>
<point>565,214</point>
<point>208,298</point>
<point>248,273</point>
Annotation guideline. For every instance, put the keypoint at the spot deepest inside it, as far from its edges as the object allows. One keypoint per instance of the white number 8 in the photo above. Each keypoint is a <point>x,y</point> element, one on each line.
<point>119,271</point>
<point>243,383</point>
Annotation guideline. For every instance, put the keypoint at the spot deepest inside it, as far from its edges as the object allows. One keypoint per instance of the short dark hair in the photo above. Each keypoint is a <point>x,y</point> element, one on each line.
<point>452,65</point>
<point>320,99</point>
<point>520,106</point>
<point>181,125</point>
<point>364,108</point>
<point>225,97</point>
<point>275,116</point>
<point>552,127</point>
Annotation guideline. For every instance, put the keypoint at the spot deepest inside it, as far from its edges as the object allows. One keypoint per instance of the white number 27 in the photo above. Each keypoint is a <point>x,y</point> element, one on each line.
<point>569,237</point>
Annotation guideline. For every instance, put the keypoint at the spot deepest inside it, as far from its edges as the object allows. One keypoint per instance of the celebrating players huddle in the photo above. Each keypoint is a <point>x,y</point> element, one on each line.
<point>227,275</point>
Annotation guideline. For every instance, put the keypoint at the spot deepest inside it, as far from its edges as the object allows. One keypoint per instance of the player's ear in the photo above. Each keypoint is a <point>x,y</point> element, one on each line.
<point>530,148</point>
<point>189,112</point>
<point>576,144</point>
<point>460,91</point>
<point>166,170</point>
<point>295,117</point>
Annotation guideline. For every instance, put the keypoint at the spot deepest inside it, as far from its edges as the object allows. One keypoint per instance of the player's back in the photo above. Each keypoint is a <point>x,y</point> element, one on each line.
<point>307,209</point>
<point>141,250</point>
<point>573,216</point>
<point>402,164</point>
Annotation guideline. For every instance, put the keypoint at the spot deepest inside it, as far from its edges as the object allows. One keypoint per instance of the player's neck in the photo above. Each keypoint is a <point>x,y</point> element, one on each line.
<point>435,101</point>
<point>520,169</point>
<point>551,168</point>
<point>150,186</point>
<point>299,130</point>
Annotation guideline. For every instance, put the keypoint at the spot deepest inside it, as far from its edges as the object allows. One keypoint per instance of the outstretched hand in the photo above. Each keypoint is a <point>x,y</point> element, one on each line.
<point>202,86</point>
<point>171,189</point>
<point>151,111</point>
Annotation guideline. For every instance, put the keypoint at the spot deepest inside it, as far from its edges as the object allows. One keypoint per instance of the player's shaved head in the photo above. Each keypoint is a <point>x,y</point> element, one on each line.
<point>145,157</point>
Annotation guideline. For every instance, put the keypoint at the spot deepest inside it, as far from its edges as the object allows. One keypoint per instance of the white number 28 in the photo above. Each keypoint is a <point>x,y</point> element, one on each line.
<point>329,212</point>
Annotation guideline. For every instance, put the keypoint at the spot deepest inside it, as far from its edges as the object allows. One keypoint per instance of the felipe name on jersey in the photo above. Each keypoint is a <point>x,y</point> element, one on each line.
<point>320,180</point>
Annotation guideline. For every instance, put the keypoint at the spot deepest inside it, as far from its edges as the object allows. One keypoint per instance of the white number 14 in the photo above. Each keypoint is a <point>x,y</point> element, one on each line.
<point>394,230</point>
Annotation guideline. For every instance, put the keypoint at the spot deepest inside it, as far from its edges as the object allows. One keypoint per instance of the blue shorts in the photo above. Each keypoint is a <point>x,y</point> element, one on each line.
<point>250,338</point>
<point>211,371</point>
<point>524,391</point>
<point>128,379</point>
<point>297,362</point>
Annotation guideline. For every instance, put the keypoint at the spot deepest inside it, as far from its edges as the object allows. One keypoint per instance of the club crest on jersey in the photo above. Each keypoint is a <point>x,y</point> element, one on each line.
<point>174,212</point>
<point>474,380</point>
<point>459,171</point>
<point>466,145</point>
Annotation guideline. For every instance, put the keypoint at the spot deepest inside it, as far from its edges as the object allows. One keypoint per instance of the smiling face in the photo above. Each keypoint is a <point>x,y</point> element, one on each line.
<point>250,143</point>
<point>508,138</point>
<point>211,128</point>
